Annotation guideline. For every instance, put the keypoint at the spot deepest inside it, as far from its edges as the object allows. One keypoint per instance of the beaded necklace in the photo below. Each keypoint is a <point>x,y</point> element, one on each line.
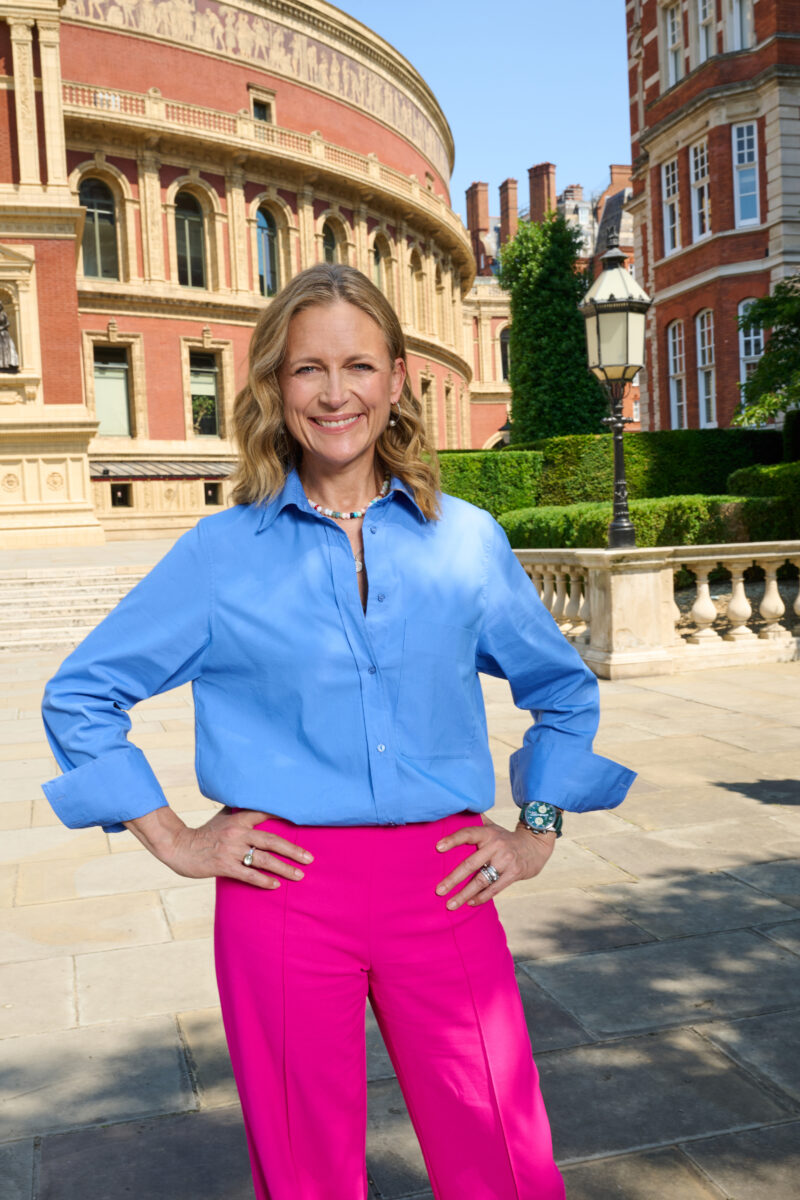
<point>359,512</point>
<point>349,516</point>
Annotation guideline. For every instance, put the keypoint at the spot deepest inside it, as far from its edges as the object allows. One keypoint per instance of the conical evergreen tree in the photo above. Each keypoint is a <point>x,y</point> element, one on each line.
<point>552,390</point>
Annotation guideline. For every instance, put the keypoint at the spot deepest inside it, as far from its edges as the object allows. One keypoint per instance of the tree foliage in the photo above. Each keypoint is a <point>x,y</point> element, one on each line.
<point>552,390</point>
<point>774,385</point>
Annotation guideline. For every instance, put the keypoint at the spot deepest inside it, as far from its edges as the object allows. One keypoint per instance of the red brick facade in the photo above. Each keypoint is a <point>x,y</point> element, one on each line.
<point>726,227</point>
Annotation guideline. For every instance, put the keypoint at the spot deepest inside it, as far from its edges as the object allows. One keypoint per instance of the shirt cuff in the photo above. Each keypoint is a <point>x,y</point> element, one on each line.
<point>567,776</point>
<point>106,791</point>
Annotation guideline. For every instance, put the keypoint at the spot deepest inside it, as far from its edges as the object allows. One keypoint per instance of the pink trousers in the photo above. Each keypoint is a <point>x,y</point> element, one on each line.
<point>295,967</point>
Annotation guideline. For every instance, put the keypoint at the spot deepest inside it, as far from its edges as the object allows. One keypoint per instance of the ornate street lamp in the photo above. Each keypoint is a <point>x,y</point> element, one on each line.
<point>614,310</point>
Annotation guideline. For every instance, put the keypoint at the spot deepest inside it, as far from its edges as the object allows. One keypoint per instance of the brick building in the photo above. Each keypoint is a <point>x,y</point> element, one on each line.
<point>164,169</point>
<point>486,305</point>
<point>715,129</point>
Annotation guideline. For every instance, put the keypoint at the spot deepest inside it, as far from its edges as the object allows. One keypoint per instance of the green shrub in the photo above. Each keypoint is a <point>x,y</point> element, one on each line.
<point>664,521</point>
<point>497,482</point>
<point>669,462</point>
<point>782,480</point>
<point>791,435</point>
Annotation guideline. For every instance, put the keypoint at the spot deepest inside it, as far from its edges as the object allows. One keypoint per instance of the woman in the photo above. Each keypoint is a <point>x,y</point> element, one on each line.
<point>333,624</point>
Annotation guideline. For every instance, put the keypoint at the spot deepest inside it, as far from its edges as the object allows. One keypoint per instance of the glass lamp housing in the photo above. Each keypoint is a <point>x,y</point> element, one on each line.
<point>614,311</point>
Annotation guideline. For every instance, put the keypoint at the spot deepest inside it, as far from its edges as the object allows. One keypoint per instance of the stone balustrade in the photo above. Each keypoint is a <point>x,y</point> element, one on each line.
<point>619,609</point>
<point>150,111</point>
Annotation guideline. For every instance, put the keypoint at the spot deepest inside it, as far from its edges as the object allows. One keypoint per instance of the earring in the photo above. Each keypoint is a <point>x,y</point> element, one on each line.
<point>393,421</point>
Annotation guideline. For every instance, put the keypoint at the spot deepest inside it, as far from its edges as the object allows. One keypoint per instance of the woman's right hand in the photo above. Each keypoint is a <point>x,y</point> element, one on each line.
<point>219,846</point>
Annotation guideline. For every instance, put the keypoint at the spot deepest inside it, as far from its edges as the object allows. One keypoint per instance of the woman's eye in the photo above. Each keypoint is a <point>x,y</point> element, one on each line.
<point>362,366</point>
<point>304,370</point>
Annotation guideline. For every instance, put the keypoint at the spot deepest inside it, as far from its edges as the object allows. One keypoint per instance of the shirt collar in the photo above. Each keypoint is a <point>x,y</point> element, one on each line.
<point>292,494</point>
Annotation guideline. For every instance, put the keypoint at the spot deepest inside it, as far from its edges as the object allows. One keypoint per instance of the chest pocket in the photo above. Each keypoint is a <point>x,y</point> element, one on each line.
<point>436,707</point>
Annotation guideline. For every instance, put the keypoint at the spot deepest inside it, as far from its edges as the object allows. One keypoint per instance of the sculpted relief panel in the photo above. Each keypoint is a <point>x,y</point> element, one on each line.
<point>276,48</point>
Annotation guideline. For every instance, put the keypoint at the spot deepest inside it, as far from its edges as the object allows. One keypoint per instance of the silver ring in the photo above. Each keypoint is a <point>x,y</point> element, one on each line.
<point>248,858</point>
<point>489,873</point>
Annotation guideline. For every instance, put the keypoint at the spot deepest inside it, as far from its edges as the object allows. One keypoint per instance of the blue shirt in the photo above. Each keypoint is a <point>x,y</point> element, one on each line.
<point>312,709</point>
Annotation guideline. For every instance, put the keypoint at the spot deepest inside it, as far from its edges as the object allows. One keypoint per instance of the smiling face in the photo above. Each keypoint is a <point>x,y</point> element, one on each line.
<point>338,384</point>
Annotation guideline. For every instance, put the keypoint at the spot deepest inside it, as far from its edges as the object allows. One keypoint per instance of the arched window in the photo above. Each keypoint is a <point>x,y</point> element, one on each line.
<point>329,248</point>
<point>190,241</point>
<point>677,375</point>
<point>377,265</point>
<point>505,342</point>
<point>99,245</point>
<point>267,233</point>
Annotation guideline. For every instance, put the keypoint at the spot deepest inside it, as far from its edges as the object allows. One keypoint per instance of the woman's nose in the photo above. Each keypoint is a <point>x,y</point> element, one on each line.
<point>334,392</point>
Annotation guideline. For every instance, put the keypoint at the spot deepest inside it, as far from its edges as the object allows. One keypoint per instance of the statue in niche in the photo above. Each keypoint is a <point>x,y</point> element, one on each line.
<point>9,359</point>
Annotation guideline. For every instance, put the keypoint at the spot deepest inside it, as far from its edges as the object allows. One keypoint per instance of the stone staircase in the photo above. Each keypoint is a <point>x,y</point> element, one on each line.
<point>43,609</point>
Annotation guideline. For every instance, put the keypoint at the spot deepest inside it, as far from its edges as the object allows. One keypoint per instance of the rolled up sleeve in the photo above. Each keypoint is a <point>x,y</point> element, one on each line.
<point>154,640</point>
<point>520,641</point>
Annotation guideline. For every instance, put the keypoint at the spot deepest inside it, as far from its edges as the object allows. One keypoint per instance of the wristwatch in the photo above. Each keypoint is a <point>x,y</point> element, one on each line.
<point>540,817</point>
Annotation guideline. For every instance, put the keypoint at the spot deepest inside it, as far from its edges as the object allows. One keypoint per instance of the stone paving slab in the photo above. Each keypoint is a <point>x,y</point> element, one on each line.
<point>650,1176</point>
<point>37,996</point>
<point>16,1170</point>
<point>780,879</point>
<point>202,1156</point>
<point>759,1164</point>
<point>394,1158</point>
<point>767,1045</point>
<point>150,979</point>
<point>209,1061</point>
<point>672,983</point>
<point>565,922</point>
<point>81,926</point>
<point>651,1090</point>
<point>687,904</point>
<point>56,1081</point>
<point>77,878</point>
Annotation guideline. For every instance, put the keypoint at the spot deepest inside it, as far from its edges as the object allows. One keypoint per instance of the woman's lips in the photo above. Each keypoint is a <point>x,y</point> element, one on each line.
<point>335,425</point>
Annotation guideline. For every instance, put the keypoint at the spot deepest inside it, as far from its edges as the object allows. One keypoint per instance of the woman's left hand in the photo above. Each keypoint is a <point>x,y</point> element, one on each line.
<point>517,855</point>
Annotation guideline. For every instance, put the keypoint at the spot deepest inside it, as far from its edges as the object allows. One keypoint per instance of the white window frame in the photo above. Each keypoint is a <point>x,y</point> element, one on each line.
<point>706,369</point>
<point>676,365</point>
<point>671,206</point>
<point>673,43</point>
<point>740,25</point>
<point>751,345</point>
<point>705,15</point>
<point>700,177</point>
<point>742,162</point>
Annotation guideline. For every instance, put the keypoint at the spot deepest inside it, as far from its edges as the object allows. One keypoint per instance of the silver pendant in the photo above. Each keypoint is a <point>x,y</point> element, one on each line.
<point>359,565</point>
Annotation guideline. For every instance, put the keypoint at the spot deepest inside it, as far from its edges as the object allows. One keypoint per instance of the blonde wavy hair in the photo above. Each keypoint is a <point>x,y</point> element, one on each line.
<point>267,450</point>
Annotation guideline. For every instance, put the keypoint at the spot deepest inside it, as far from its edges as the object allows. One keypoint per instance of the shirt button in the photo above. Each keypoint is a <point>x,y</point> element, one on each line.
<point>373,529</point>
<point>381,747</point>
<point>381,597</point>
<point>372,670</point>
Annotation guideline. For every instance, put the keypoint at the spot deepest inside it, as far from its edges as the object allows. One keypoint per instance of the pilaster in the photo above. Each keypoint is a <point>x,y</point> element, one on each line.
<point>21,30</point>
<point>237,230</point>
<point>49,52</point>
<point>151,217</point>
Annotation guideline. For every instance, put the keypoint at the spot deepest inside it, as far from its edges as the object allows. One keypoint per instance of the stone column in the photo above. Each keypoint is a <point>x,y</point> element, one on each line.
<point>405,301</point>
<point>362,243</point>
<point>25,101</point>
<point>51,102</point>
<point>305,220</point>
<point>151,217</point>
<point>237,230</point>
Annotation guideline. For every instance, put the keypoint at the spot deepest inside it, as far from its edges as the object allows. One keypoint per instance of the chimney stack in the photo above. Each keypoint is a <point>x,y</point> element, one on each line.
<point>478,221</point>
<point>508,210</point>
<point>542,184</point>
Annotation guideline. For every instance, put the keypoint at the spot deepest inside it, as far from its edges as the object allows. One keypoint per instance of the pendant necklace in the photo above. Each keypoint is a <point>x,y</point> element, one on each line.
<point>349,516</point>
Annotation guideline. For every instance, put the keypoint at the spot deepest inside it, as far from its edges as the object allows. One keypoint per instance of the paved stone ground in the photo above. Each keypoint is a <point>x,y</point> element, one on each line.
<point>657,959</point>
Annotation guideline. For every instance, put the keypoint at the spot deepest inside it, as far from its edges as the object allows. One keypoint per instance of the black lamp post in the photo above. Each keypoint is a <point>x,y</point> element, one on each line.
<point>614,310</point>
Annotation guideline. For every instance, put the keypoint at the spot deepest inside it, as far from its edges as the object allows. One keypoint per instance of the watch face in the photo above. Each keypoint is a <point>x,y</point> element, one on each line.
<point>539,815</point>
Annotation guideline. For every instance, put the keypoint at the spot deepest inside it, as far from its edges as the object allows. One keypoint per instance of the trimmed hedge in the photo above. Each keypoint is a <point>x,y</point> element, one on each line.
<point>665,521</point>
<point>782,480</point>
<point>670,462</point>
<point>497,482</point>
